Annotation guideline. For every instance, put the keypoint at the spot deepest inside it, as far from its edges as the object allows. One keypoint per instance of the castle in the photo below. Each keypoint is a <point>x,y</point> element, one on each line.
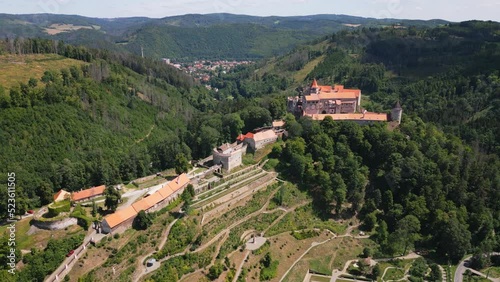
<point>229,156</point>
<point>320,101</point>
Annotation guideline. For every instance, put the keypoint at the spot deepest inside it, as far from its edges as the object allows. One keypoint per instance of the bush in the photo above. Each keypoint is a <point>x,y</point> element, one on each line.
<point>269,268</point>
<point>59,207</point>
<point>367,252</point>
<point>305,234</point>
<point>215,271</point>
<point>142,221</point>
<point>81,215</point>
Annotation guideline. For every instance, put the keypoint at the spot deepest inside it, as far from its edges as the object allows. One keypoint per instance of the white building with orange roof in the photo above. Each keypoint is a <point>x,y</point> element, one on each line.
<point>261,138</point>
<point>123,218</point>
<point>88,194</point>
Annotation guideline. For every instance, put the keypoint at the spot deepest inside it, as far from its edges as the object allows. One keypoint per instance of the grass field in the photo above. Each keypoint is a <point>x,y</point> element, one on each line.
<point>451,277</point>
<point>20,68</point>
<point>315,278</point>
<point>38,239</point>
<point>394,274</point>
<point>301,74</point>
<point>326,257</point>
<point>493,271</point>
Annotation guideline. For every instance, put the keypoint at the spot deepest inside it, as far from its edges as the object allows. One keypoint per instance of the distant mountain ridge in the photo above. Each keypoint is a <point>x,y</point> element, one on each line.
<point>191,36</point>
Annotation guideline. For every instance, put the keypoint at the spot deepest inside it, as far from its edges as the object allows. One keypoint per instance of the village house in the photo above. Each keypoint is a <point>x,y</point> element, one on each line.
<point>88,194</point>
<point>123,218</point>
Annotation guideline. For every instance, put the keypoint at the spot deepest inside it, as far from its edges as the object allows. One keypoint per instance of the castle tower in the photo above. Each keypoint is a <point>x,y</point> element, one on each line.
<point>396,113</point>
<point>314,87</point>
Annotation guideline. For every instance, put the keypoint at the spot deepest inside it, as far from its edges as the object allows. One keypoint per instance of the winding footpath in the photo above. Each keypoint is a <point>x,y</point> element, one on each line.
<point>224,233</point>
<point>461,268</point>
<point>162,243</point>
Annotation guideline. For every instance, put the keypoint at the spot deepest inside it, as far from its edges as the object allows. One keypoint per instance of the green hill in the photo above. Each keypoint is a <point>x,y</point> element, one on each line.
<point>419,176</point>
<point>446,75</point>
<point>193,36</point>
<point>89,122</point>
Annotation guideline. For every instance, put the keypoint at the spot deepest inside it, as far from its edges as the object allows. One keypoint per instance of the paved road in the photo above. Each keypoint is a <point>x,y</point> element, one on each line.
<point>69,262</point>
<point>132,196</point>
<point>462,267</point>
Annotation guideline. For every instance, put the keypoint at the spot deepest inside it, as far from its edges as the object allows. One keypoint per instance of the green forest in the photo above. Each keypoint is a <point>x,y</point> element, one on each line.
<point>433,183</point>
<point>193,36</point>
<point>111,120</point>
<point>415,186</point>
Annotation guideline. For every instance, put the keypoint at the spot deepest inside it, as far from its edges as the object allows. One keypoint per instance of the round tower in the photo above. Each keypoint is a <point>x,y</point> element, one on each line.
<point>396,113</point>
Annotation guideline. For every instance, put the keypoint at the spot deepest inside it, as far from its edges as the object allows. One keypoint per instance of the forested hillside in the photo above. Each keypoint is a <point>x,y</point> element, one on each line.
<point>446,75</point>
<point>415,185</point>
<point>193,36</point>
<point>434,182</point>
<point>107,119</point>
<point>86,124</point>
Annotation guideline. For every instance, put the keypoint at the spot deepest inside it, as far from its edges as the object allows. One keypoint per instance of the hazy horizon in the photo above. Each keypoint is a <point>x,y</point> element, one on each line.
<point>455,11</point>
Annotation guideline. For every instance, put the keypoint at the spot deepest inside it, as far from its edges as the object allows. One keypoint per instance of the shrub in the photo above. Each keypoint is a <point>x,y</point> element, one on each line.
<point>81,215</point>
<point>59,207</point>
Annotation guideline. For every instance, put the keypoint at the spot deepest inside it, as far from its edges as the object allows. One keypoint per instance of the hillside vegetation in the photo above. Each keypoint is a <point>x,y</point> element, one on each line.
<point>416,186</point>
<point>15,69</point>
<point>447,75</point>
<point>431,183</point>
<point>188,37</point>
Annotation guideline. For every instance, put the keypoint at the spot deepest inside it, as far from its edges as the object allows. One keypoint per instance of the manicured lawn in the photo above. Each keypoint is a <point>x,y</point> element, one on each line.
<point>321,265</point>
<point>38,239</point>
<point>315,278</point>
<point>451,277</point>
<point>304,218</point>
<point>493,271</point>
<point>394,274</point>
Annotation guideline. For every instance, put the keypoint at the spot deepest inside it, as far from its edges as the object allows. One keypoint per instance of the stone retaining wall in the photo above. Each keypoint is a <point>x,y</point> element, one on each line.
<point>54,225</point>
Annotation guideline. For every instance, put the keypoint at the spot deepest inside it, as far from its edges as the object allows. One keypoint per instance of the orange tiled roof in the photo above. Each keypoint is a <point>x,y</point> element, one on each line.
<point>314,84</point>
<point>154,199</point>
<point>148,202</point>
<point>337,95</point>
<point>165,191</point>
<point>62,193</point>
<point>312,97</point>
<point>120,216</point>
<point>242,137</point>
<point>141,205</point>
<point>178,182</point>
<point>325,88</point>
<point>266,134</point>
<point>87,193</point>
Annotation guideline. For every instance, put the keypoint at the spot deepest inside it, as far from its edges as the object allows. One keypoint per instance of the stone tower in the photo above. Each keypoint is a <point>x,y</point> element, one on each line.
<point>396,113</point>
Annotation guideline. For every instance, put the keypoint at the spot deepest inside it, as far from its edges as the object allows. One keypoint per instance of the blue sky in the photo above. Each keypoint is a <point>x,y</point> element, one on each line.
<point>457,10</point>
